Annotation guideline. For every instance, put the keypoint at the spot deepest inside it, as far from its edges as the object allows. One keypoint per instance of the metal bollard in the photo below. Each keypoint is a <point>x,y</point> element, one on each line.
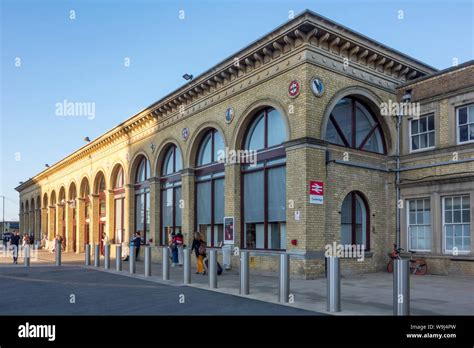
<point>107,256</point>
<point>333,284</point>
<point>118,258</point>
<point>88,254</point>
<point>213,269</point>
<point>58,253</point>
<point>244,273</point>
<point>284,278</point>
<point>147,261</point>
<point>401,287</point>
<point>131,258</point>
<point>97,255</point>
<point>26,253</point>
<point>166,263</point>
<point>187,265</point>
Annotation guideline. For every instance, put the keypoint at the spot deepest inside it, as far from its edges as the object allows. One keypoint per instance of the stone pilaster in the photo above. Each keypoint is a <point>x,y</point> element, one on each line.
<point>80,224</point>
<point>129,209</point>
<point>69,226</point>
<point>110,215</point>
<point>155,199</point>
<point>51,222</point>
<point>94,217</point>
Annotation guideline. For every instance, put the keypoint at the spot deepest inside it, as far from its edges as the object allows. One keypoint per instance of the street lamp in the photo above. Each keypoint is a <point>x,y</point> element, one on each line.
<point>406,99</point>
<point>187,77</point>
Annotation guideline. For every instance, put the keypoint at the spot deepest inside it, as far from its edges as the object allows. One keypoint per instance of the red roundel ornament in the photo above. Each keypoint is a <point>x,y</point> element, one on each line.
<point>294,89</point>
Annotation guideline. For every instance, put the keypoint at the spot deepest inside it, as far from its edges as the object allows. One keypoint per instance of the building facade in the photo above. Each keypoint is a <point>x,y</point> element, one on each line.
<point>306,99</point>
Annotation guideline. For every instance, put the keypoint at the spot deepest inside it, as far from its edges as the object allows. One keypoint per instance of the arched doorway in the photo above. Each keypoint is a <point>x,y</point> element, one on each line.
<point>118,184</point>
<point>84,194</point>
<point>99,190</point>
<point>264,182</point>
<point>142,198</point>
<point>209,194</point>
<point>170,182</point>
<point>72,203</point>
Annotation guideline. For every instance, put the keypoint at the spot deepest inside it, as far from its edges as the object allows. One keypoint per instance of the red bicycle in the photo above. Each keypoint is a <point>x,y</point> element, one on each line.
<point>417,266</point>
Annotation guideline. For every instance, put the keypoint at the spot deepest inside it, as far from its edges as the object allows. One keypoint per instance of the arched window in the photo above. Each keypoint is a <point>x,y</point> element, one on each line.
<point>264,183</point>
<point>142,199</point>
<point>353,125</point>
<point>209,177</point>
<point>85,192</point>
<point>170,182</point>
<point>355,221</point>
<point>119,204</point>
<point>72,202</point>
<point>53,205</point>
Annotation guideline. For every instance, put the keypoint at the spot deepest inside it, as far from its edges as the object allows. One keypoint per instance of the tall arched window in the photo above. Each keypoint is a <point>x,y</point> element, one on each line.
<point>119,204</point>
<point>170,193</point>
<point>209,176</point>
<point>85,192</point>
<point>72,203</point>
<point>38,212</point>
<point>45,207</point>
<point>355,221</point>
<point>264,183</point>
<point>142,199</point>
<point>100,190</point>
<point>353,125</point>
<point>53,205</point>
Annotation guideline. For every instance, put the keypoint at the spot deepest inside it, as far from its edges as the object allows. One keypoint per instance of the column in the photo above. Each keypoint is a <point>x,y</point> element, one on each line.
<point>110,215</point>
<point>38,221</point>
<point>80,223</point>
<point>94,223</point>
<point>44,222</point>
<point>129,211</point>
<point>155,199</point>
<point>437,231</point>
<point>69,225</point>
<point>32,221</point>
<point>187,194</point>
<point>59,220</point>
<point>232,198</point>
<point>51,222</point>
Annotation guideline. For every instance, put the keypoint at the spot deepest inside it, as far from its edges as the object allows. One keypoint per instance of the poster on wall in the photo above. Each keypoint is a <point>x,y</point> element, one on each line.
<point>229,230</point>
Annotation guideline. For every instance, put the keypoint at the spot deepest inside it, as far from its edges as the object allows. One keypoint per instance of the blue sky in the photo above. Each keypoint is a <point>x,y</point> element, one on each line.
<point>82,60</point>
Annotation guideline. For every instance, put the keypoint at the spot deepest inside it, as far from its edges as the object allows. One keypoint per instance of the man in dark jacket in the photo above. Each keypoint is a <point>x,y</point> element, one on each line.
<point>15,242</point>
<point>136,241</point>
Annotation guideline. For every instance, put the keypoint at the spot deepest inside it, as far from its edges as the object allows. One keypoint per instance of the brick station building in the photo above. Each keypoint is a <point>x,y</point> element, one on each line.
<point>307,97</point>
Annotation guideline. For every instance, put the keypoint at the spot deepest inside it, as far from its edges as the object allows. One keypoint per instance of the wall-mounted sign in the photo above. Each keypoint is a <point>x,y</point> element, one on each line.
<point>317,87</point>
<point>185,133</point>
<point>229,115</point>
<point>316,192</point>
<point>294,89</point>
<point>229,230</point>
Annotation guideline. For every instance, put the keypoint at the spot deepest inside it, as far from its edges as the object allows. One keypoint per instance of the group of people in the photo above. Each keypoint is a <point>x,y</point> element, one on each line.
<point>14,243</point>
<point>176,245</point>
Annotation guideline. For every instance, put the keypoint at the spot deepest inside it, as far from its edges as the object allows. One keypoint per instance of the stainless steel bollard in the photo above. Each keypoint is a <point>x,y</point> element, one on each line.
<point>333,284</point>
<point>58,253</point>
<point>401,287</point>
<point>107,256</point>
<point>88,254</point>
<point>187,265</point>
<point>213,269</point>
<point>284,278</point>
<point>166,263</point>
<point>26,254</point>
<point>244,273</point>
<point>97,255</point>
<point>131,260</point>
<point>147,261</point>
<point>118,258</point>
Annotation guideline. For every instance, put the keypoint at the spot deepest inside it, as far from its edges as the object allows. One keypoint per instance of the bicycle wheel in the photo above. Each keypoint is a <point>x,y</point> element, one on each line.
<point>420,267</point>
<point>390,266</point>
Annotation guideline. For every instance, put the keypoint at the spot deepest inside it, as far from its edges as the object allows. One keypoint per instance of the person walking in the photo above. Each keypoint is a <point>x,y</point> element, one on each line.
<point>136,242</point>
<point>15,242</point>
<point>174,249</point>
<point>180,245</point>
<point>199,247</point>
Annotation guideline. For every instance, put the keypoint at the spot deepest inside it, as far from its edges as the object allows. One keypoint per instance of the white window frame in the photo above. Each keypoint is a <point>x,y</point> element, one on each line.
<point>407,203</point>
<point>458,133</point>
<point>427,132</point>
<point>450,252</point>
